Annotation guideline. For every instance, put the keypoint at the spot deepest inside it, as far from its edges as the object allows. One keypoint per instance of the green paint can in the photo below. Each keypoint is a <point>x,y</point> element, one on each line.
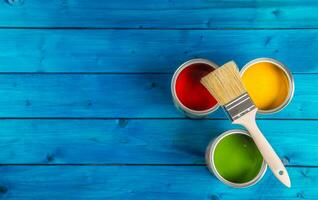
<point>235,160</point>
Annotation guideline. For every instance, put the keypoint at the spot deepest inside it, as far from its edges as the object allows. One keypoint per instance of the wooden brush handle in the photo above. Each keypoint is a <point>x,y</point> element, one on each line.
<point>268,153</point>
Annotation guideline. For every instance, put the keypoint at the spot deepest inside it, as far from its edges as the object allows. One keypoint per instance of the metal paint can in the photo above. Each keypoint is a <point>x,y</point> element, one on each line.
<point>209,157</point>
<point>284,69</point>
<point>179,105</point>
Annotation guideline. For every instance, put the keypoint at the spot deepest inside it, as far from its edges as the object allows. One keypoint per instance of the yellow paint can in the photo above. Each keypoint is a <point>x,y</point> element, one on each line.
<point>269,83</point>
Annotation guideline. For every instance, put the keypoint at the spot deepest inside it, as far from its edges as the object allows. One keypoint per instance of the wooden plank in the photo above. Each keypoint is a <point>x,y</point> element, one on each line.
<point>160,14</point>
<point>125,51</point>
<point>119,96</point>
<point>159,182</point>
<point>141,141</point>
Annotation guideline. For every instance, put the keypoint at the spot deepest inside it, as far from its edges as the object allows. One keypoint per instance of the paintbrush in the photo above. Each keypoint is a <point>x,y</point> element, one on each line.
<point>226,86</point>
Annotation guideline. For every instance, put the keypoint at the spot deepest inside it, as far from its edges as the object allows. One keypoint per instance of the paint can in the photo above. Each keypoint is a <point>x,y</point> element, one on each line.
<point>189,95</point>
<point>263,81</point>
<point>215,147</point>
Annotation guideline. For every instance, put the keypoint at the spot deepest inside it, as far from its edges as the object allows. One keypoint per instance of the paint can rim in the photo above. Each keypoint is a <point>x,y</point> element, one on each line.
<point>289,76</point>
<point>210,161</point>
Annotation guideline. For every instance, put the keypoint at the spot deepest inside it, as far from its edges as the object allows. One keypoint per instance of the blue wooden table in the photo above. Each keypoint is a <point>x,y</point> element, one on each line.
<point>85,104</point>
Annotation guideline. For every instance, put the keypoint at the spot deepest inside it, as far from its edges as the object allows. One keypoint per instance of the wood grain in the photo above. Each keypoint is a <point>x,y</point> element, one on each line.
<point>136,141</point>
<point>160,14</point>
<point>86,110</point>
<point>143,182</point>
<point>150,51</point>
<point>118,96</point>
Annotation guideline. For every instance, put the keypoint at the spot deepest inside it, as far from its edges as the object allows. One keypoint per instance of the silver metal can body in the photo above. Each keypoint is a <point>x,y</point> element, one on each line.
<point>288,75</point>
<point>211,166</point>
<point>187,111</point>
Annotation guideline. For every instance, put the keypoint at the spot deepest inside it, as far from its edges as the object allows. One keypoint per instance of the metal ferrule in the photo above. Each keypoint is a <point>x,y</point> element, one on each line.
<point>239,106</point>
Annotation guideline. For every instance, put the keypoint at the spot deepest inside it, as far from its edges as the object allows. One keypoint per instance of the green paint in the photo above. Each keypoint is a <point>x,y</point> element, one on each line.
<point>237,158</point>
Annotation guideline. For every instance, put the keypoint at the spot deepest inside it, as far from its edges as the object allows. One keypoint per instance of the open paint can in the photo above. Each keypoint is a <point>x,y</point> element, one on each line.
<point>234,159</point>
<point>269,83</point>
<point>188,94</point>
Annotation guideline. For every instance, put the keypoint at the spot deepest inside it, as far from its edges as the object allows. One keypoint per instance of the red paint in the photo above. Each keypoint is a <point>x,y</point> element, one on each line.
<point>190,91</point>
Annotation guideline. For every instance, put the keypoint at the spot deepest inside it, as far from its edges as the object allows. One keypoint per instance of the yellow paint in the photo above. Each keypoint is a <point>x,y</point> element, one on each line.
<point>267,85</point>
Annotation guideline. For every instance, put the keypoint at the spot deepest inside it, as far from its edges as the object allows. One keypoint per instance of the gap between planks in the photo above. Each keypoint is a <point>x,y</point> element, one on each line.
<point>133,165</point>
<point>111,73</point>
<point>148,28</point>
<point>148,118</point>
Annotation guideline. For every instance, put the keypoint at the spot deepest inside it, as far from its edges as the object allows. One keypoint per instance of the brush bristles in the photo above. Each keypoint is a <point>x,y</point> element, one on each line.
<point>224,83</point>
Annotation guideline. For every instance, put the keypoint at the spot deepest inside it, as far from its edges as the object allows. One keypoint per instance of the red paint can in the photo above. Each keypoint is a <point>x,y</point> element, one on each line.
<point>189,95</point>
